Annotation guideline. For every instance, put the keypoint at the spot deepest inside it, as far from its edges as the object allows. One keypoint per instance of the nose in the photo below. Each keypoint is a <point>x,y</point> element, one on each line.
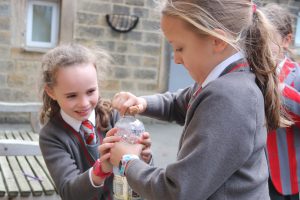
<point>84,101</point>
<point>177,59</point>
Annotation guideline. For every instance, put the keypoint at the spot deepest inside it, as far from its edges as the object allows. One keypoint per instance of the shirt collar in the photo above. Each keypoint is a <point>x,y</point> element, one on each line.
<point>280,65</point>
<point>74,123</point>
<point>217,71</point>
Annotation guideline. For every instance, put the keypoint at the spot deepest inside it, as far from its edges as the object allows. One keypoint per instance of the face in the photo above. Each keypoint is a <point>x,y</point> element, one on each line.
<point>193,51</point>
<point>280,45</point>
<point>76,90</point>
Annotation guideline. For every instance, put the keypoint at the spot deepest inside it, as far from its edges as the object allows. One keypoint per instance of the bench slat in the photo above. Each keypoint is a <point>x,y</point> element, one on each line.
<point>40,159</point>
<point>2,186</point>
<point>21,180</point>
<point>46,184</point>
<point>11,184</point>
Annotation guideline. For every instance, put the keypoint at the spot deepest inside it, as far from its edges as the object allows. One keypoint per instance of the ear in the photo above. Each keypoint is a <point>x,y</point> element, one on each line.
<point>287,40</point>
<point>219,45</point>
<point>50,92</point>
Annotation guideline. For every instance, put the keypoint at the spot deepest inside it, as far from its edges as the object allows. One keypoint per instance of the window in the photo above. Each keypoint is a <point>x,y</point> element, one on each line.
<point>42,24</point>
<point>297,33</point>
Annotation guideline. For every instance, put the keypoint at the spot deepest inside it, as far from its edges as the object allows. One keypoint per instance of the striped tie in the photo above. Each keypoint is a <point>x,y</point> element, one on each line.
<point>88,131</point>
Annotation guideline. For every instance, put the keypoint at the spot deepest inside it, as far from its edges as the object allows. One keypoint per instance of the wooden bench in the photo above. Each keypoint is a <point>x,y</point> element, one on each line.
<point>23,172</point>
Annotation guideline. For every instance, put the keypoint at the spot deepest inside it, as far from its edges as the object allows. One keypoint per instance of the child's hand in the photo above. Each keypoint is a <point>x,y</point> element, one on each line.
<point>122,148</point>
<point>126,102</point>
<point>104,149</point>
<point>146,152</point>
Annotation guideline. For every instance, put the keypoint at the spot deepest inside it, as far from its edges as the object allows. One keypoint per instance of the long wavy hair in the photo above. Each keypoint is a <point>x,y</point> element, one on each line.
<point>247,29</point>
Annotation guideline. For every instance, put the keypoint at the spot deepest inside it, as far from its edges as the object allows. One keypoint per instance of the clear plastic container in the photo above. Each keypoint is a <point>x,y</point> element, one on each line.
<point>130,129</point>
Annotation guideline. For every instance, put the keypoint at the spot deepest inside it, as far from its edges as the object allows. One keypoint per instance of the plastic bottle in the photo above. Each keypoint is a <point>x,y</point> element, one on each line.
<point>130,129</point>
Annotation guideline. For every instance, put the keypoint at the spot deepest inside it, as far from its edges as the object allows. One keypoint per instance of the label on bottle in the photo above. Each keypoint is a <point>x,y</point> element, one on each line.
<point>120,188</point>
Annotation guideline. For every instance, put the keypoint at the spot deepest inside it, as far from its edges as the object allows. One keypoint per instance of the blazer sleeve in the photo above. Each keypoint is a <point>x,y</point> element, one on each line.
<point>169,106</point>
<point>217,141</point>
<point>70,181</point>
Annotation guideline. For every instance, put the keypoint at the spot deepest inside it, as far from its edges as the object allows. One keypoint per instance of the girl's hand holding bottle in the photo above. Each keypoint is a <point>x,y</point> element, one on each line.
<point>125,102</point>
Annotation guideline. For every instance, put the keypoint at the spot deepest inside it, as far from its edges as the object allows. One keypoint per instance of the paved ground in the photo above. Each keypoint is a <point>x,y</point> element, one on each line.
<point>165,138</point>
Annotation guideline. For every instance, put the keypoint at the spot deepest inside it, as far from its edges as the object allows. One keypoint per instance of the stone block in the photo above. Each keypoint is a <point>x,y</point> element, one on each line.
<point>147,86</point>
<point>149,25</point>
<point>135,2</point>
<point>145,49</point>
<point>111,85</point>
<point>19,53</point>
<point>92,33</point>
<point>121,47</point>
<point>5,10</point>
<point>133,36</point>
<point>16,80</point>
<point>117,1</point>
<point>154,38</point>
<point>6,66</point>
<point>94,7</point>
<point>119,59</point>
<point>4,23</point>
<point>107,45</point>
<point>87,18</point>
<point>122,73</point>
<point>128,85</point>
<point>133,60</point>
<point>118,9</point>
<point>3,80</point>
<point>28,67</point>
<point>141,12</point>
<point>151,62</point>
<point>4,52</point>
<point>5,37</point>
<point>145,74</point>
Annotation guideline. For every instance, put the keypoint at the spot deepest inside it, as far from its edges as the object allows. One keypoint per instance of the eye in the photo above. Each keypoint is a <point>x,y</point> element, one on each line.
<point>71,96</point>
<point>178,50</point>
<point>91,91</point>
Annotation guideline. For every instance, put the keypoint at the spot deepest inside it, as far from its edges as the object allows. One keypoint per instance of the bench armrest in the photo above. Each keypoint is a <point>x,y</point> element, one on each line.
<point>31,107</point>
<point>11,147</point>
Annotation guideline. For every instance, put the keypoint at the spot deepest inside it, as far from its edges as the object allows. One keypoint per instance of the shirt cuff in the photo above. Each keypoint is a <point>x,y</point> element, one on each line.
<point>91,180</point>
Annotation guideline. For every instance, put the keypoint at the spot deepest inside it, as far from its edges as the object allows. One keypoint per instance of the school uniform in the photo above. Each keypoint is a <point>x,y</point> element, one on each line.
<point>283,144</point>
<point>69,159</point>
<point>221,151</point>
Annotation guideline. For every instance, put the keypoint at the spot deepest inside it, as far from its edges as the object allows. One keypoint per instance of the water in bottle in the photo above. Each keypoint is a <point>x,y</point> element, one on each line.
<point>130,129</point>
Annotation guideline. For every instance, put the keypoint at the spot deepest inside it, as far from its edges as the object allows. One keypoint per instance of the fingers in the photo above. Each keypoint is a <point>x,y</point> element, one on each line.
<point>125,102</point>
<point>111,132</point>
<point>105,147</point>
<point>145,140</point>
<point>146,152</point>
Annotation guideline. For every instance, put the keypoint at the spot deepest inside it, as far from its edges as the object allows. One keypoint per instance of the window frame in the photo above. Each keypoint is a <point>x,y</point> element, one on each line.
<point>54,24</point>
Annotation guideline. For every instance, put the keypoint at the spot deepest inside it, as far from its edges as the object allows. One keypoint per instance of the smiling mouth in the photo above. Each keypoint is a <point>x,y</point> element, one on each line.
<point>83,112</point>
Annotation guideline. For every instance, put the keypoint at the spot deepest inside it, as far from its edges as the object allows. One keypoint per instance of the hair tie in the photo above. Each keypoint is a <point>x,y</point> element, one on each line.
<point>254,7</point>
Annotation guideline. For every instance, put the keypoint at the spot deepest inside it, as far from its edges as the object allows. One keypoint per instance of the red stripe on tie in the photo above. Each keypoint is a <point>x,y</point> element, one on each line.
<point>90,138</point>
<point>274,160</point>
<point>292,159</point>
<point>87,124</point>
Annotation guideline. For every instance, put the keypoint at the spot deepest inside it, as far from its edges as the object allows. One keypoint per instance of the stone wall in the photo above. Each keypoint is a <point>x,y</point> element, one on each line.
<point>136,55</point>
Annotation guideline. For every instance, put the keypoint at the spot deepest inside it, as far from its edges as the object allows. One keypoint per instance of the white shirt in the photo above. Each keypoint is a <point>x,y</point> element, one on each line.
<point>75,124</point>
<point>216,72</point>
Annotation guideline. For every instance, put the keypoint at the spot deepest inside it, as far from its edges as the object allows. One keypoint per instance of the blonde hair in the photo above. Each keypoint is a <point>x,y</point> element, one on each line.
<point>68,56</point>
<point>247,29</point>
